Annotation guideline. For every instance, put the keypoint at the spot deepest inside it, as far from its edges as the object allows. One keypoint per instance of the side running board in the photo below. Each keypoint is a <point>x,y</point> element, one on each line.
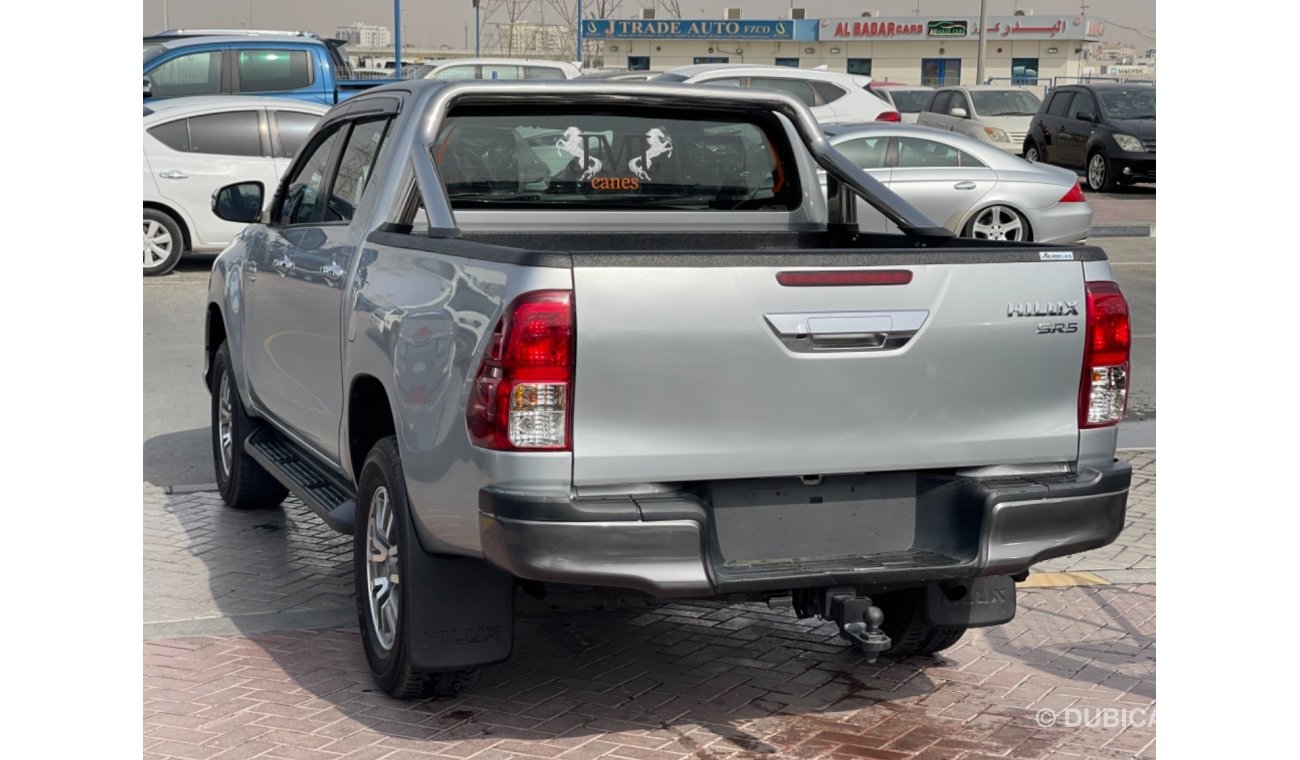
<point>327,496</point>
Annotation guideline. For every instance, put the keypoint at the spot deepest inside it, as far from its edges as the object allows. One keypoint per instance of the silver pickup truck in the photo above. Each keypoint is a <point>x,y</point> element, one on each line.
<point>614,335</point>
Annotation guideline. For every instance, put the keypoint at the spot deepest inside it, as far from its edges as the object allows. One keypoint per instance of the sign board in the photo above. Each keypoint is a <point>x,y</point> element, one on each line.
<point>688,29</point>
<point>1000,28</point>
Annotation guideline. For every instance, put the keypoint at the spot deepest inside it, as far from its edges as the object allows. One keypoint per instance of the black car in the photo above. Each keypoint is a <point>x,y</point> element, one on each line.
<point>1107,130</point>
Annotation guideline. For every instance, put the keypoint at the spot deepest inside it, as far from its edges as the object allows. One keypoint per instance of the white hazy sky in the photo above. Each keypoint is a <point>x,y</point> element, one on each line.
<point>451,21</point>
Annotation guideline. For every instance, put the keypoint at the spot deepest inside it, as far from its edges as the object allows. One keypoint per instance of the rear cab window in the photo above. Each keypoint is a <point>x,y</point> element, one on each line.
<point>584,157</point>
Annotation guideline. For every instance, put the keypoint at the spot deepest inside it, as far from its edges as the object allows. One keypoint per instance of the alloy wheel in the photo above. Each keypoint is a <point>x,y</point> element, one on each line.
<point>998,223</point>
<point>1096,171</point>
<point>225,431</point>
<point>383,574</point>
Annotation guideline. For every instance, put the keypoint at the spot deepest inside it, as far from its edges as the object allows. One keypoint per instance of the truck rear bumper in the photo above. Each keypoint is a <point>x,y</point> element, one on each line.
<point>688,544</point>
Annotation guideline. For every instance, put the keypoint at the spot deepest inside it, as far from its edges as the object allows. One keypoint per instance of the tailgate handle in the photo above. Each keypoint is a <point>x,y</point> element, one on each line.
<point>847,331</point>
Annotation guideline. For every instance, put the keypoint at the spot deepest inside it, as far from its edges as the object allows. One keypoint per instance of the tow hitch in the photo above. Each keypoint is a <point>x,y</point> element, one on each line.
<point>859,620</point>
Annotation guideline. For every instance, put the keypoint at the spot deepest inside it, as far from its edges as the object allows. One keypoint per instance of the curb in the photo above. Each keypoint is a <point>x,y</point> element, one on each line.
<point>1122,230</point>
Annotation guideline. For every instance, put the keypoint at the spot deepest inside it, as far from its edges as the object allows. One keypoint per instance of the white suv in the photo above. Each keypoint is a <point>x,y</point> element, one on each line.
<point>834,98</point>
<point>192,147</point>
<point>501,68</point>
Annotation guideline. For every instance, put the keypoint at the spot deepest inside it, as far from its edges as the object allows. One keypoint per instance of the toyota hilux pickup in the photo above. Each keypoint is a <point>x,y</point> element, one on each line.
<point>614,335</point>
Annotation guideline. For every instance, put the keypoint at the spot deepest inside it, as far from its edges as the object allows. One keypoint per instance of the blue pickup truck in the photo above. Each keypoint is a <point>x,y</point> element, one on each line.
<point>296,65</point>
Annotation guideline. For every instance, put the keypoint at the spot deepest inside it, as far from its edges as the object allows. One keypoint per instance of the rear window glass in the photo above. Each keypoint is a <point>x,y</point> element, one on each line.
<point>578,159</point>
<point>910,101</point>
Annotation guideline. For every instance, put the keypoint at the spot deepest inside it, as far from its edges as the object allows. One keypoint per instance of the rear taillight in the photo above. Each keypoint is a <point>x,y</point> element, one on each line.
<point>524,387</point>
<point>1075,195</point>
<point>1103,393</point>
<point>889,116</point>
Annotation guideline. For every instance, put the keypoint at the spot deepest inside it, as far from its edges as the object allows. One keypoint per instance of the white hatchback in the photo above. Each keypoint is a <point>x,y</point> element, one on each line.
<point>834,97</point>
<point>192,147</point>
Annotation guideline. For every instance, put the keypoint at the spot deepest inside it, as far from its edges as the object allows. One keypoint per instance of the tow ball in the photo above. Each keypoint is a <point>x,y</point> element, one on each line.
<point>859,621</point>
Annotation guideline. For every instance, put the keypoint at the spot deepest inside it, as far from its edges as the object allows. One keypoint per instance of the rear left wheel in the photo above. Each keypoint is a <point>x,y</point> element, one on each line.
<point>998,223</point>
<point>1031,152</point>
<point>381,542</point>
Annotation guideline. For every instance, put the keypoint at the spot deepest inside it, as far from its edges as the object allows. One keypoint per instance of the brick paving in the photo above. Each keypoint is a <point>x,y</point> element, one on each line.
<point>251,651</point>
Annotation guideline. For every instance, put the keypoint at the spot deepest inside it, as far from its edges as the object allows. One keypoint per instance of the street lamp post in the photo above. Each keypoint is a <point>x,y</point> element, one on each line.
<point>979,60</point>
<point>579,33</point>
<point>477,26</point>
<point>397,39</point>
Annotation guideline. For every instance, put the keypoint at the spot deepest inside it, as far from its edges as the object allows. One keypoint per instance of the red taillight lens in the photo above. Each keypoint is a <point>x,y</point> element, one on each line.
<point>524,386</point>
<point>889,116</point>
<point>1103,392</point>
<point>1075,195</point>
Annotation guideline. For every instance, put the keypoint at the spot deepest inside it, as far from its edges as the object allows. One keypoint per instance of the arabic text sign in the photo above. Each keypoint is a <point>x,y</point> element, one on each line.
<point>1000,27</point>
<point>688,29</point>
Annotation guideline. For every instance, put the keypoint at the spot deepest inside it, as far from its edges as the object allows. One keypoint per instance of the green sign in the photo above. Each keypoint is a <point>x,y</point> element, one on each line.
<point>945,29</point>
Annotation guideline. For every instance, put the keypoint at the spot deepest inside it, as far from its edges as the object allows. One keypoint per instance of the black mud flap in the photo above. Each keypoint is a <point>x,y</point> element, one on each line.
<point>971,603</point>
<point>462,611</point>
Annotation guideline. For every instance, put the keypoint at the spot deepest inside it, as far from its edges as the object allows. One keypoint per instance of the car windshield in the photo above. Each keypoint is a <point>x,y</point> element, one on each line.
<point>594,160</point>
<point>1005,102</point>
<point>1137,103</point>
<point>152,51</point>
<point>910,101</point>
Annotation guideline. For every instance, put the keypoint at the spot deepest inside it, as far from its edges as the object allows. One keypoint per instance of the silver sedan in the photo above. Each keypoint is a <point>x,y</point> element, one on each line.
<point>970,187</point>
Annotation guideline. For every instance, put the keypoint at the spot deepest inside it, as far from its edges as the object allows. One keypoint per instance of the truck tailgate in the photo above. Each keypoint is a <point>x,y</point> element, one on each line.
<point>720,371</point>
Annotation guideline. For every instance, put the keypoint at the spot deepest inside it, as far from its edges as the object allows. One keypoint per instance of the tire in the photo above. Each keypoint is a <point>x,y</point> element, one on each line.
<point>1031,153</point>
<point>240,479</point>
<point>1098,170</point>
<point>382,523</point>
<point>907,628</point>
<point>163,243</point>
<point>998,222</point>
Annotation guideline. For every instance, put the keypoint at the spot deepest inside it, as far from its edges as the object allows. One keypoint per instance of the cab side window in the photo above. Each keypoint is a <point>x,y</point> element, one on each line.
<point>940,102</point>
<point>193,74</point>
<point>355,166</point>
<point>307,184</point>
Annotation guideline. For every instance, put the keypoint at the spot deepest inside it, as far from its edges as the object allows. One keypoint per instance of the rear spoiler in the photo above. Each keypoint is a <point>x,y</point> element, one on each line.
<point>841,173</point>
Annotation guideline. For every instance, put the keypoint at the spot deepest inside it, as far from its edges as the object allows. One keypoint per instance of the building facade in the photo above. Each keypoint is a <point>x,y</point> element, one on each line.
<point>1030,50</point>
<point>366,35</point>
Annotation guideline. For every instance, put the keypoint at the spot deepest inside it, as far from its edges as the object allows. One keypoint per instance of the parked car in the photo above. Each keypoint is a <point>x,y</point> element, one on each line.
<point>192,146</point>
<point>996,115</point>
<point>294,65</point>
<point>1106,130</point>
<point>908,100</point>
<point>834,97</point>
<point>621,75</point>
<point>966,185</point>
<point>669,366</point>
<point>501,68</point>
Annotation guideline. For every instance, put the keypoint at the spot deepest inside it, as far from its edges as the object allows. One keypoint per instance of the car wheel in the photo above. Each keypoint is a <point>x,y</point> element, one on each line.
<point>1100,177</point>
<point>998,223</point>
<point>1031,152</point>
<point>380,543</point>
<point>242,482</point>
<point>909,633</point>
<point>163,243</point>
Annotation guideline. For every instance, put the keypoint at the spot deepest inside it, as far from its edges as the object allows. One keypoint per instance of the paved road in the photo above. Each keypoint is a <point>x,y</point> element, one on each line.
<point>177,449</point>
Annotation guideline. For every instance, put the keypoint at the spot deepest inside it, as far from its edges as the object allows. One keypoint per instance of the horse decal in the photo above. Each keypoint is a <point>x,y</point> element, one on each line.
<point>657,144</point>
<point>572,144</point>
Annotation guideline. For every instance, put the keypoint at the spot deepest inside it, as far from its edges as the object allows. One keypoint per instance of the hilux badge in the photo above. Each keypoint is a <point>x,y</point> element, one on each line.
<point>1043,309</point>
